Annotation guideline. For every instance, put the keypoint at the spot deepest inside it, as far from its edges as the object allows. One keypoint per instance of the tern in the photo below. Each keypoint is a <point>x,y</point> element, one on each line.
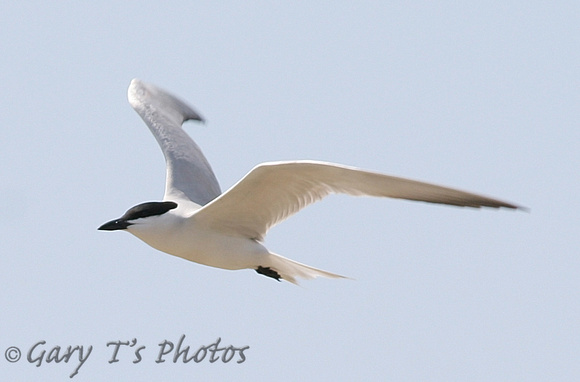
<point>197,222</point>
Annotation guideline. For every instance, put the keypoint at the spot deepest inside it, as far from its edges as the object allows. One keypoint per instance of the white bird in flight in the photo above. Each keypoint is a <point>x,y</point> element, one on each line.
<point>197,222</point>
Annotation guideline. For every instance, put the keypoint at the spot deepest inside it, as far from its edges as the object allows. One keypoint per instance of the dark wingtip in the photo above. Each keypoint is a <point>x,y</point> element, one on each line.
<point>195,117</point>
<point>511,206</point>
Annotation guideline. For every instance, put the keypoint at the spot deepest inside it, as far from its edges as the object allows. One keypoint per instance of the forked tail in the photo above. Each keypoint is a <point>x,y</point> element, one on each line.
<point>290,270</point>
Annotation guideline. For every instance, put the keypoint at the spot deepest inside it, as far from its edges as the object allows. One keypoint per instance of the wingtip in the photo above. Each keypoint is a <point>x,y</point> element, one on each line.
<point>503,205</point>
<point>140,92</point>
<point>198,118</point>
<point>513,207</point>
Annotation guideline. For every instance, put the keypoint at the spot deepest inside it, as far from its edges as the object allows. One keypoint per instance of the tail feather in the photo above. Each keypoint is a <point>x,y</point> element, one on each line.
<point>290,270</point>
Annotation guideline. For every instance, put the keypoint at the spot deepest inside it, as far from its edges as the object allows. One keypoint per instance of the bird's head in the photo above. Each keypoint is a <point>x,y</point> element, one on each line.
<point>141,214</point>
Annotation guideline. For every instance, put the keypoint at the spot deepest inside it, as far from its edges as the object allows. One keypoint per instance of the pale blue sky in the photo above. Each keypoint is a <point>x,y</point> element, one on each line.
<point>483,97</point>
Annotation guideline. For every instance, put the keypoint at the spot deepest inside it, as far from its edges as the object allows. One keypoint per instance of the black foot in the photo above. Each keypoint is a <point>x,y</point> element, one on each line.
<point>267,271</point>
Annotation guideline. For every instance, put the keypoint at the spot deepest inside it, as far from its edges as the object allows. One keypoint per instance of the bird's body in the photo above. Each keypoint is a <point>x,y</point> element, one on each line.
<point>195,221</point>
<point>178,233</point>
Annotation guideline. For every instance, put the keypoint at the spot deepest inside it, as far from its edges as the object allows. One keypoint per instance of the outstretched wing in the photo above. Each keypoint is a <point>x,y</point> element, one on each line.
<point>189,174</point>
<point>271,192</point>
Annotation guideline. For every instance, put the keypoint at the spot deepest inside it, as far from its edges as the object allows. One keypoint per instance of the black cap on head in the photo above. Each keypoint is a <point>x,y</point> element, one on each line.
<point>140,211</point>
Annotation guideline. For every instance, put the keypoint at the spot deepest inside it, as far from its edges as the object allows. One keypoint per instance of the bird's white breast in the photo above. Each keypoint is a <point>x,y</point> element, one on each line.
<point>176,235</point>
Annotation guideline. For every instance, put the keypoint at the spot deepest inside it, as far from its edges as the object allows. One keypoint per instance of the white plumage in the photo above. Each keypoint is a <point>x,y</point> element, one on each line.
<point>197,222</point>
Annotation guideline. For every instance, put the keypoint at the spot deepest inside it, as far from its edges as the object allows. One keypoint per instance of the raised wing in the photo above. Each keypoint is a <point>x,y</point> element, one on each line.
<point>271,192</point>
<point>189,174</point>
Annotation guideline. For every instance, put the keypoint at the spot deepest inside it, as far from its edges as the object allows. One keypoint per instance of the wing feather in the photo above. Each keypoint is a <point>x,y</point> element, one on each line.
<point>189,174</point>
<point>271,192</point>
